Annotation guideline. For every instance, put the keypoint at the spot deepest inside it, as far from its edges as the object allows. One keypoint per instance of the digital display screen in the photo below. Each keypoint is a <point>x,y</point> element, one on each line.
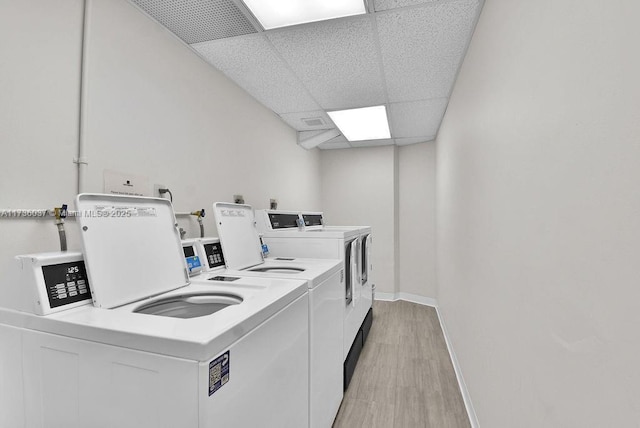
<point>283,221</point>
<point>66,283</point>
<point>312,219</point>
<point>188,251</point>
<point>215,257</point>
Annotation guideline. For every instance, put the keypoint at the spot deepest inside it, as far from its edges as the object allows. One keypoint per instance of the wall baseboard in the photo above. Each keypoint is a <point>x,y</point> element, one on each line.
<point>428,301</point>
<point>408,297</point>
<point>466,397</point>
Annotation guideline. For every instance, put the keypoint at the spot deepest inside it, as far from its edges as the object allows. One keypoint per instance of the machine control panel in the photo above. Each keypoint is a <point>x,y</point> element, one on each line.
<point>192,259</point>
<point>66,283</point>
<point>312,219</point>
<point>215,257</point>
<point>283,221</point>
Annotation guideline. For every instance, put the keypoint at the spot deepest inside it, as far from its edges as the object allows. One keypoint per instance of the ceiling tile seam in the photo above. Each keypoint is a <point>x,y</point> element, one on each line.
<point>249,15</point>
<point>425,5</point>
<point>376,41</point>
<point>480,6</point>
<point>294,74</point>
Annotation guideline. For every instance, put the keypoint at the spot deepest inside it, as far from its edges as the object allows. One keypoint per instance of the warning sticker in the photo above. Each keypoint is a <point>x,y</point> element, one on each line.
<point>218,372</point>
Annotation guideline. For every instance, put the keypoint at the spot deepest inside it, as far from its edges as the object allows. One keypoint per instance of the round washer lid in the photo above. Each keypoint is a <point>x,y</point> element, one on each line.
<point>131,247</point>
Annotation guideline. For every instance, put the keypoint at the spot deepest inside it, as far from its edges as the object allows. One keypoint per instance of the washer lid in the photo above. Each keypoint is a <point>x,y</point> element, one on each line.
<point>131,247</point>
<point>238,235</point>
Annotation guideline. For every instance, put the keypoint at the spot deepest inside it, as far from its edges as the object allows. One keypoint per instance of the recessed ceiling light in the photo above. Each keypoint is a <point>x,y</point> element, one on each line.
<point>282,13</point>
<point>368,123</point>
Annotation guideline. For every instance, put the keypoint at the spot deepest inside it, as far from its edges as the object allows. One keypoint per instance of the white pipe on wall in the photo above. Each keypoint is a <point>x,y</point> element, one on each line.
<point>81,160</point>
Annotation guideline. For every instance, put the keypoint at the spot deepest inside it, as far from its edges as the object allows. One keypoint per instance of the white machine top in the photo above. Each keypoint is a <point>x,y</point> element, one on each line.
<point>314,271</point>
<point>336,232</point>
<point>243,251</point>
<point>238,235</point>
<point>289,223</point>
<point>131,246</point>
<point>192,338</point>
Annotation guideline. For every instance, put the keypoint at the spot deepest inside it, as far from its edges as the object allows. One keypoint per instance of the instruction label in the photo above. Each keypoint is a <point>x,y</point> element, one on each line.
<point>218,372</point>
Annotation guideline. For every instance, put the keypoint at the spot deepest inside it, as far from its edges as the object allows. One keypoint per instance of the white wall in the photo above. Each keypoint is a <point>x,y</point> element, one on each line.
<point>417,219</point>
<point>39,108</point>
<point>393,190</point>
<point>538,214</point>
<point>358,189</point>
<point>170,116</point>
<point>153,108</point>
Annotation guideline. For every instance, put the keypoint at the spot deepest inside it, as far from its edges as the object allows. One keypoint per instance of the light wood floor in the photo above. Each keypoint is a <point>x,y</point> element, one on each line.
<point>404,377</point>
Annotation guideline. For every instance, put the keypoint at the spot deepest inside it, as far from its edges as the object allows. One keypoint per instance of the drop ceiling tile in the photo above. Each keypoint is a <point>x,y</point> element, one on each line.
<point>395,4</point>
<point>252,63</point>
<point>329,145</point>
<point>414,140</point>
<point>419,79</point>
<point>422,47</point>
<point>417,118</point>
<point>198,21</point>
<point>372,143</point>
<point>336,60</point>
<point>304,121</point>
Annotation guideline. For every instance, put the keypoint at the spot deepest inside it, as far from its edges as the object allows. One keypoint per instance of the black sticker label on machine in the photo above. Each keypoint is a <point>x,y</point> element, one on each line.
<point>218,372</point>
<point>66,283</point>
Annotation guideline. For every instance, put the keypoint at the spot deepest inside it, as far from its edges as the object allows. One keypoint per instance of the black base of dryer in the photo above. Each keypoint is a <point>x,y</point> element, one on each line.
<point>356,348</point>
<point>366,325</point>
<point>352,359</point>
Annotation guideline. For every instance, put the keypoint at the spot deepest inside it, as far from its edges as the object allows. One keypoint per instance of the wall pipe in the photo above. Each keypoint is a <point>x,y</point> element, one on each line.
<point>199,214</point>
<point>81,160</point>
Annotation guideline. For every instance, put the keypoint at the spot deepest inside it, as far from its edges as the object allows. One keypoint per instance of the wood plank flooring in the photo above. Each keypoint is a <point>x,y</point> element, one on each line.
<point>404,377</point>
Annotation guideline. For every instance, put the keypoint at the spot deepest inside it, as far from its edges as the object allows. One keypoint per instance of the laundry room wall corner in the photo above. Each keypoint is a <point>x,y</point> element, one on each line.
<point>358,188</point>
<point>417,219</point>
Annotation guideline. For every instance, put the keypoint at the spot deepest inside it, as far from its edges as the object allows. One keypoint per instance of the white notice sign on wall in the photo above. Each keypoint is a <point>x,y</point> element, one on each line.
<point>119,183</point>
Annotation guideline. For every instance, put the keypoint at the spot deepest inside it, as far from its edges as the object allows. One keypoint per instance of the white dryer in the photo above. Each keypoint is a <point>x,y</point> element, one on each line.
<point>350,243</point>
<point>243,257</point>
<point>152,350</point>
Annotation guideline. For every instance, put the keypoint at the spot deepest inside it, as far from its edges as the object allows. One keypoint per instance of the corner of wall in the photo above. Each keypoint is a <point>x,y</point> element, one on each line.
<point>396,219</point>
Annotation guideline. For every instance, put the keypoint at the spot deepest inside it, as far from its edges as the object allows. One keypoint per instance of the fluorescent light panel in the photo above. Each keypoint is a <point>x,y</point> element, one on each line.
<point>283,13</point>
<point>358,124</point>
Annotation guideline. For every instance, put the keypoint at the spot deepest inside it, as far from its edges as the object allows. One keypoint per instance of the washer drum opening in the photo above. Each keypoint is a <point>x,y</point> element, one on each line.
<point>189,305</point>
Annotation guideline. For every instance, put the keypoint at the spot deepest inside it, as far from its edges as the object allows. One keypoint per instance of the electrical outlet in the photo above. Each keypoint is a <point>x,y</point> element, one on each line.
<point>238,199</point>
<point>156,190</point>
<point>273,204</point>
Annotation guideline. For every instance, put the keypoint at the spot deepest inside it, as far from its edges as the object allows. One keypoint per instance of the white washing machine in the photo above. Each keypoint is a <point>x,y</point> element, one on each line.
<point>152,350</point>
<point>285,238</point>
<point>243,257</point>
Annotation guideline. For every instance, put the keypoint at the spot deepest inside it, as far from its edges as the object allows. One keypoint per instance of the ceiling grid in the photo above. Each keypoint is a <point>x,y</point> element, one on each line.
<point>404,54</point>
